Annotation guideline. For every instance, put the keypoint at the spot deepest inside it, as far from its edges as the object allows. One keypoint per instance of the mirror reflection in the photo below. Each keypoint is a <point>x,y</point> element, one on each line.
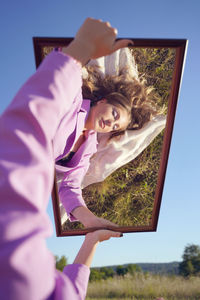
<point>111,159</point>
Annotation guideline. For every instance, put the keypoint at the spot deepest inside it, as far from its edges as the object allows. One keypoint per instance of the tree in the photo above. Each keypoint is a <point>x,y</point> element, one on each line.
<point>121,271</point>
<point>60,262</point>
<point>133,268</point>
<point>101,273</point>
<point>107,272</point>
<point>191,261</point>
<point>95,275</point>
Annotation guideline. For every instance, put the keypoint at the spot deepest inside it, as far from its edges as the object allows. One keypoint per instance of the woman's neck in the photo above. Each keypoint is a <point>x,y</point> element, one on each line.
<point>89,123</point>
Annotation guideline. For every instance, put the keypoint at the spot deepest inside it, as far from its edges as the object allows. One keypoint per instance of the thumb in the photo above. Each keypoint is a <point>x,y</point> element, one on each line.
<point>105,235</point>
<point>122,44</point>
<point>114,233</point>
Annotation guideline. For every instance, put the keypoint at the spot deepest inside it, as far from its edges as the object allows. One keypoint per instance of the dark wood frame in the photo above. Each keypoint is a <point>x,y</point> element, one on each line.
<point>180,45</point>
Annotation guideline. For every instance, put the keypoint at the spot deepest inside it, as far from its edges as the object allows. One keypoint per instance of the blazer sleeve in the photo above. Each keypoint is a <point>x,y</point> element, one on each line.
<point>72,283</point>
<point>70,193</point>
<point>27,128</point>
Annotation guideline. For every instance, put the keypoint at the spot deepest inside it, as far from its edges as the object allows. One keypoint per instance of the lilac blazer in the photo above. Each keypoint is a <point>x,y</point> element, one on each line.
<point>31,137</point>
<point>70,176</point>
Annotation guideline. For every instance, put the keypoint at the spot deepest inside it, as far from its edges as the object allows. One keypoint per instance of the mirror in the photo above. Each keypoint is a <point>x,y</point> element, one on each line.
<point>125,179</point>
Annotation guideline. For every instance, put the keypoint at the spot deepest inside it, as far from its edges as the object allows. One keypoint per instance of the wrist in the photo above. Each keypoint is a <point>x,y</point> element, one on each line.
<point>87,250</point>
<point>92,239</point>
<point>79,51</point>
<point>84,215</point>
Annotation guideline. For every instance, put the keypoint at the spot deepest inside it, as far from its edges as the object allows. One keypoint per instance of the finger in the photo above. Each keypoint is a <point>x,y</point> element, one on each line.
<point>115,234</point>
<point>115,31</point>
<point>107,234</point>
<point>89,19</point>
<point>122,44</point>
<point>108,231</point>
<point>108,24</point>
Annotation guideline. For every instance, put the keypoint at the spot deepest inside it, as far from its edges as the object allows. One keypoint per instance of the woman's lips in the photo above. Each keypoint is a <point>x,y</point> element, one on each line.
<point>102,124</point>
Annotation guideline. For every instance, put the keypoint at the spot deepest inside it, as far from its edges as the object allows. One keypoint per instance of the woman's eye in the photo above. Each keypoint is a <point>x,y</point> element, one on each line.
<point>115,127</point>
<point>115,114</point>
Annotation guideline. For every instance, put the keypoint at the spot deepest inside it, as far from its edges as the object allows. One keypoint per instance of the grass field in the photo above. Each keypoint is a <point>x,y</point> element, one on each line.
<point>145,287</point>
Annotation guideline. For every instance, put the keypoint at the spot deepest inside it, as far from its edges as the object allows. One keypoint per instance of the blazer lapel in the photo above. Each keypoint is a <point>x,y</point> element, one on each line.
<point>89,147</point>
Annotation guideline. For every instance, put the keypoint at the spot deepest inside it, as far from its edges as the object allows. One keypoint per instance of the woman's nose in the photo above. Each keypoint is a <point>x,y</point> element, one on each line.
<point>108,123</point>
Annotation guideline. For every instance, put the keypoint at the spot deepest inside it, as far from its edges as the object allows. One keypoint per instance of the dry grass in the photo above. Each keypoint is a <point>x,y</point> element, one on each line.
<point>145,287</point>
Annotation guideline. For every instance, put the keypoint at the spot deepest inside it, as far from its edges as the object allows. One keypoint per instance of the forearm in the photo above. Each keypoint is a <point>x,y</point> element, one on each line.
<point>84,215</point>
<point>86,253</point>
<point>88,219</point>
<point>81,53</point>
<point>87,250</point>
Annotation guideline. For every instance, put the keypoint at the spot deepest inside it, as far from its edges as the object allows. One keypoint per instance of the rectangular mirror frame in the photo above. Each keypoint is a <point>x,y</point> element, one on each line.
<point>180,45</point>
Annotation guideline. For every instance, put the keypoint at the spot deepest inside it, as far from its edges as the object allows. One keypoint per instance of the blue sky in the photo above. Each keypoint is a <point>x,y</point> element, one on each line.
<point>179,220</point>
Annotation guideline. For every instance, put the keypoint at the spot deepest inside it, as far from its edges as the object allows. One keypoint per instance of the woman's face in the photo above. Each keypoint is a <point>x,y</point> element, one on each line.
<point>105,117</point>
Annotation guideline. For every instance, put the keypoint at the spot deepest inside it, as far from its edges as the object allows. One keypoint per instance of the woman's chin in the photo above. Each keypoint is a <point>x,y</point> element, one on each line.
<point>99,130</point>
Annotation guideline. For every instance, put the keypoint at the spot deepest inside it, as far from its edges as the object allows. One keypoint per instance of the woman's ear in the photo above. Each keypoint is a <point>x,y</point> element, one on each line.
<point>103,100</point>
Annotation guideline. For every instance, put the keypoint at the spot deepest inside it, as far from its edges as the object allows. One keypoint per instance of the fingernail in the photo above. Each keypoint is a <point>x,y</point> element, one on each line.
<point>121,234</point>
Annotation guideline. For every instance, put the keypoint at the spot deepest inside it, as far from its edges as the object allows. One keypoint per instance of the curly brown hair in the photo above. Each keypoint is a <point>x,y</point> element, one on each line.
<point>125,91</point>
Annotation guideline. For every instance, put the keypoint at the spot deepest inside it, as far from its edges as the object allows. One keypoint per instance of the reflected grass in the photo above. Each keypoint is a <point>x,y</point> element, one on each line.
<point>126,197</point>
